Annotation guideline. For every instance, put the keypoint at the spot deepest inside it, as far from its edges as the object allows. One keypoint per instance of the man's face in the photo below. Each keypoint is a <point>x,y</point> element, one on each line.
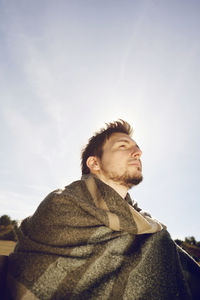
<point>120,161</point>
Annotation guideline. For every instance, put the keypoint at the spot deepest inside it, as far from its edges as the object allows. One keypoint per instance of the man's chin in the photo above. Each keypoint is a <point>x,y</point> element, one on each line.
<point>128,180</point>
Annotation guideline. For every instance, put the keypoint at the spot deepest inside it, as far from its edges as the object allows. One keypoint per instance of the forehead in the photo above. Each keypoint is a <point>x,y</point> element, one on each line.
<point>117,137</point>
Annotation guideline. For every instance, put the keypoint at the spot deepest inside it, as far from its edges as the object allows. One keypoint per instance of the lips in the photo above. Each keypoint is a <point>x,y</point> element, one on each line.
<point>135,163</point>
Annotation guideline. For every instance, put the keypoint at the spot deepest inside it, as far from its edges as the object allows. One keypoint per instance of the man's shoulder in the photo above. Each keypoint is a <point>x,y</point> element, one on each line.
<point>60,200</point>
<point>76,188</point>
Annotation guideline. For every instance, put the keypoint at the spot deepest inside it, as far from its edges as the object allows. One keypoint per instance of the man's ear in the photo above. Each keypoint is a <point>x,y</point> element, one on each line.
<point>93,164</point>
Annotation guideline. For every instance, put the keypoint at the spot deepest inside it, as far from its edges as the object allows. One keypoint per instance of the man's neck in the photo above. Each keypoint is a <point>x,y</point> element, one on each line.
<point>121,190</point>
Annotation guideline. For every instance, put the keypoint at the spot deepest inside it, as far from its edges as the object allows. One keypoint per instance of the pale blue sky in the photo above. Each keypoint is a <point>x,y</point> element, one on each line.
<point>67,67</point>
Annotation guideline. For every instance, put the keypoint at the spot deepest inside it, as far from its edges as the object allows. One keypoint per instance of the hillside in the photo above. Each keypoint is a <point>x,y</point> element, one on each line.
<point>190,248</point>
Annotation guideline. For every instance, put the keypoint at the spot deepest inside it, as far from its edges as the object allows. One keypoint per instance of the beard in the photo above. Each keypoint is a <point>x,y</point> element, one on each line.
<point>126,179</point>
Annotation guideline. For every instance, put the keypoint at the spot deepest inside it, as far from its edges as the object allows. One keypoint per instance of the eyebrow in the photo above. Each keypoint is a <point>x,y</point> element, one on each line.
<point>125,141</point>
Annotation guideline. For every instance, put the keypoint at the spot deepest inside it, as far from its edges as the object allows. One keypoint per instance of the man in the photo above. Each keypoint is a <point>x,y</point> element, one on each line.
<point>90,241</point>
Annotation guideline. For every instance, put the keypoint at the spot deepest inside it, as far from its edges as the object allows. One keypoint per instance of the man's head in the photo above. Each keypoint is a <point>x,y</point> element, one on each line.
<point>111,154</point>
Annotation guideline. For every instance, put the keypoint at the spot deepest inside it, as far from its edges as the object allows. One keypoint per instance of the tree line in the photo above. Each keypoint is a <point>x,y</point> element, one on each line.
<point>8,228</point>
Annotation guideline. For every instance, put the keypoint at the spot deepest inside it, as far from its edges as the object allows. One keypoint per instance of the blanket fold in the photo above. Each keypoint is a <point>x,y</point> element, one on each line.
<point>87,242</point>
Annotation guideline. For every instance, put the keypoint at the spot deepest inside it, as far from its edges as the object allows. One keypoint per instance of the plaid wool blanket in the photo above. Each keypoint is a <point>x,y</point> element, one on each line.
<point>87,242</point>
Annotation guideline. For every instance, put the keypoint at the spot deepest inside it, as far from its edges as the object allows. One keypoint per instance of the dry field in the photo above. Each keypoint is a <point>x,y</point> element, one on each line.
<point>6,247</point>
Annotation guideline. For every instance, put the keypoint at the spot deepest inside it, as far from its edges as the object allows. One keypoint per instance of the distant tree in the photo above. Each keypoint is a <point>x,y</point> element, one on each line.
<point>191,240</point>
<point>9,236</point>
<point>5,220</point>
<point>14,223</point>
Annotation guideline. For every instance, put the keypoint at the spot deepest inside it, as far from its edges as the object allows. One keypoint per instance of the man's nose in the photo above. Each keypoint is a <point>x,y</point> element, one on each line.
<point>136,152</point>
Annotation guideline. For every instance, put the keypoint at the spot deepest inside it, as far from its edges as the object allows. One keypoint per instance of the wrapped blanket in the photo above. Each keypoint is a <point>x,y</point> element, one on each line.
<point>87,242</point>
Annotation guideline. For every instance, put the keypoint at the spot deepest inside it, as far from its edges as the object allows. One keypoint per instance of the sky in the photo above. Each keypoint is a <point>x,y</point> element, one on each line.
<point>67,67</point>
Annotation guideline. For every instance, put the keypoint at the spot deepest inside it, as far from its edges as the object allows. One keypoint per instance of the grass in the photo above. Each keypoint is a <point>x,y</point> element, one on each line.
<point>6,247</point>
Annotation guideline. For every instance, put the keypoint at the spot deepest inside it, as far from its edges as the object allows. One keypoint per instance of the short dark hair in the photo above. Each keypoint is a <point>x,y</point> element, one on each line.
<point>97,141</point>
